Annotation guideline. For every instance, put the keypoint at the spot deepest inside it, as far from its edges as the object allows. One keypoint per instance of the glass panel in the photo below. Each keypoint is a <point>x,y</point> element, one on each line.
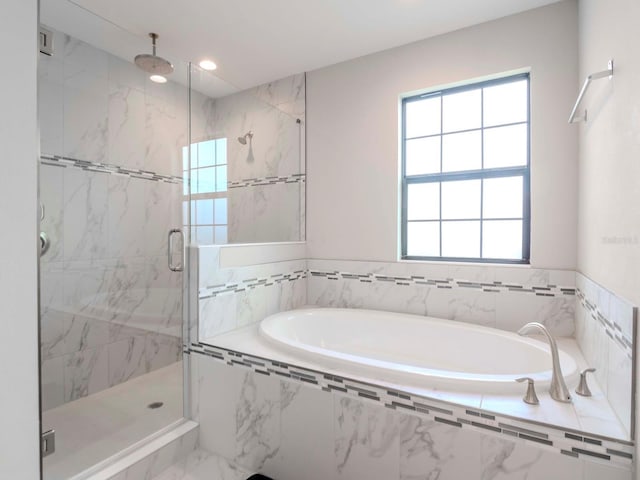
<point>423,117</point>
<point>462,151</point>
<point>460,200</point>
<point>461,239</point>
<point>502,197</point>
<point>221,235</point>
<point>505,146</point>
<point>206,180</point>
<point>423,201</point>
<point>220,209</point>
<point>221,151</point>
<point>423,156</point>
<point>502,239</point>
<point>194,156</point>
<point>461,111</point>
<point>506,103</point>
<point>206,153</point>
<point>204,212</point>
<point>423,239</point>
<point>204,235</point>
<point>221,179</point>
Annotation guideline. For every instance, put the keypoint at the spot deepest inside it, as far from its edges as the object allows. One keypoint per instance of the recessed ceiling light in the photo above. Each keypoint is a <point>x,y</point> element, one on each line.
<point>208,65</point>
<point>158,79</point>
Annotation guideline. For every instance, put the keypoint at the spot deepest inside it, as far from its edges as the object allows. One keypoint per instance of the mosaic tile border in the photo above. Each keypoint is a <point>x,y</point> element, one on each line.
<point>261,181</point>
<point>563,441</point>
<point>448,283</point>
<point>59,161</point>
<point>611,328</point>
<point>250,284</point>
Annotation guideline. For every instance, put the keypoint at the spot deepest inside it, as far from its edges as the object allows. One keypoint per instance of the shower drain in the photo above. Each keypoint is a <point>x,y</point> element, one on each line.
<point>155,405</point>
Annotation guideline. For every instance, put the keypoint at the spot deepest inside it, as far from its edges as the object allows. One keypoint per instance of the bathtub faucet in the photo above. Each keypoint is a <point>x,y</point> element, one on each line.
<point>558,388</point>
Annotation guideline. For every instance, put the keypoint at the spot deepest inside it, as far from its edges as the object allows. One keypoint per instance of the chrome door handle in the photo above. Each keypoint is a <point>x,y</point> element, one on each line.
<point>180,266</point>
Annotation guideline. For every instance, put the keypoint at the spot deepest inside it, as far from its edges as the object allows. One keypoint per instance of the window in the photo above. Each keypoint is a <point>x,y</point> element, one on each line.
<point>465,173</point>
<point>208,182</point>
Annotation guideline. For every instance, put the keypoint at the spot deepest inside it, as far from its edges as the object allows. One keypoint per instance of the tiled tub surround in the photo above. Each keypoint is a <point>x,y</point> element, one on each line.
<point>233,297</point>
<point>605,331</point>
<point>265,177</point>
<point>293,424</point>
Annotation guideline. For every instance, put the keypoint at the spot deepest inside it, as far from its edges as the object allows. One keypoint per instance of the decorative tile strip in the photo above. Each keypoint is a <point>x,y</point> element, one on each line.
<point>450,283</point>
<point>59,161</point>
<point>611,328</point>
<point>563,441</point>
<point>250,284</point>
<point>257,182</point>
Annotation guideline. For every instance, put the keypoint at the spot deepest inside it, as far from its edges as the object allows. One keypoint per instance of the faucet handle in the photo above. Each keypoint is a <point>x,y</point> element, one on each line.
<point>530,397</point>
<point>583,388</point>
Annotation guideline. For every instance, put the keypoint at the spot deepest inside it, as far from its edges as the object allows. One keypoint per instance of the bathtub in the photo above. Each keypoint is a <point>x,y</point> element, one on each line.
<point>422,351</point>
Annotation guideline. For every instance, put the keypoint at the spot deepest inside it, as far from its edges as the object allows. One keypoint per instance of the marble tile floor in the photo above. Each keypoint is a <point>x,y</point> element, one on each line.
<point>202,465</point>
<point>96,427</point>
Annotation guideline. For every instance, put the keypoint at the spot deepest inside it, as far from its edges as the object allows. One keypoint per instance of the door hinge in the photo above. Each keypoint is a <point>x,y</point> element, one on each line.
<point>48,443</point>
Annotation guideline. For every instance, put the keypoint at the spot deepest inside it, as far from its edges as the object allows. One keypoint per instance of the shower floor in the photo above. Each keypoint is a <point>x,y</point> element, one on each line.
<point>96,427</point>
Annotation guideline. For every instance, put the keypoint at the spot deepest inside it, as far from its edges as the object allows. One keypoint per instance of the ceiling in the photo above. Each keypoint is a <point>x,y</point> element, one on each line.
<point>256,41</point>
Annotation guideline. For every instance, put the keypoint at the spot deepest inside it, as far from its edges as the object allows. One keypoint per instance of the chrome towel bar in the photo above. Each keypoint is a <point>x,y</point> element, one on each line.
<point>604,73</point>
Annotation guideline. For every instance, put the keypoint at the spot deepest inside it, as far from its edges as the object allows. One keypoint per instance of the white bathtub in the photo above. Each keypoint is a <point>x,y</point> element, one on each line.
<point>424,351</point>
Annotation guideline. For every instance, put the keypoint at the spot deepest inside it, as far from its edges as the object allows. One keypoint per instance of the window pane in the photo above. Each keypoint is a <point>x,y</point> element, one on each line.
<point>461,111</point>
<point>206,153</point>
<point>505,103</point>
<point>423,156</point>
<point>221,179</point>
<point>185,158</point>
<point>206,180</point>
<point>460,199</point>
<point>204,235</point>
<point>220,207</point>
<point>502,239</point>
<point>462,151</point>
<point>221,151</point>
<point>423,117</point>
<point>194,155</point>
<point>423,239</point>
<point>221,235</point>
<point>423,201</point>
<point>461,239</point>
<point>204,212</point>
<point>502,197</point>
<point>505,146</point>
<point>194,181</point>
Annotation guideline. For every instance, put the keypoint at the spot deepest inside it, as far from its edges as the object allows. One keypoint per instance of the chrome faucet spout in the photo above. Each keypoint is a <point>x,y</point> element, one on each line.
<point>558,388</point>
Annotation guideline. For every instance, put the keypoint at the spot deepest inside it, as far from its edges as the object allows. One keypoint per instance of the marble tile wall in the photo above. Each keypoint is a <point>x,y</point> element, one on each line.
<point>231,298</point>
<point>606,331</point>
<point>266,177</point>
<point>111,187</point>
<point>288,430</point>
<point>501,297</point>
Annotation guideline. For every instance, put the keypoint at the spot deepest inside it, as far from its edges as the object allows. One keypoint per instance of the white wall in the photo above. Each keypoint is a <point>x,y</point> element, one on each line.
<point>609,214</point>
<point>352,135</point>
<point>19,442</point>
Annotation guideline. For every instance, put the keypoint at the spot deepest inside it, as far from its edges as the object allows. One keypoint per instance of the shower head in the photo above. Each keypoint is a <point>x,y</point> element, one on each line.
<point>243,139</point>
<point>153,64</point>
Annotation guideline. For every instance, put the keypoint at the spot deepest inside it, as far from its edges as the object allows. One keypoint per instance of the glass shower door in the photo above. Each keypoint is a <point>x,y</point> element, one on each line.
<point>111,290</point>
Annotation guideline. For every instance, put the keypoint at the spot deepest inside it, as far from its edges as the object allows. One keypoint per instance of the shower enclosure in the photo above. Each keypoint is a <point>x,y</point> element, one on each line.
<point>112,264</point>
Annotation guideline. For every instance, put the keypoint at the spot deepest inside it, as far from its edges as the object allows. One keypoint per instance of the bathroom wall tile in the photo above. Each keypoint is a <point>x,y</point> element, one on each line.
<point>80,57</point>
<point>201,465</point>
<point>52,198</point>
<point>218,391</point>
<point>514,310</point>
<point>367,440</point>
<point>596,471</point>
<point>430,449</point>
<point>126,217</point>
<point>126,126</point>
<point>619,384</point>
<point>85,372</point>
<point>165,135</point>
<point>50,104</point>
<point>251,306</point>
<point>52,383</point>
<point>306,443</point>
<point>85,219</point>
<point>217,315</point>
<point>161,350</point>
<point>257,422</point>
<point>126,359</point>
<point>504,459</point>
<point>124,74</point>
<point>162,212</point>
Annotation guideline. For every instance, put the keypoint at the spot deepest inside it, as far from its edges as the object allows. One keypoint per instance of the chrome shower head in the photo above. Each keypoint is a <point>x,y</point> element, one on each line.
<point>243,139</point>
<point>153,64</point>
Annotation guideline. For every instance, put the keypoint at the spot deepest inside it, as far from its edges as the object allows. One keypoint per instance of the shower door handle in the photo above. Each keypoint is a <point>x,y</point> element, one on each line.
<point>180,266</point>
